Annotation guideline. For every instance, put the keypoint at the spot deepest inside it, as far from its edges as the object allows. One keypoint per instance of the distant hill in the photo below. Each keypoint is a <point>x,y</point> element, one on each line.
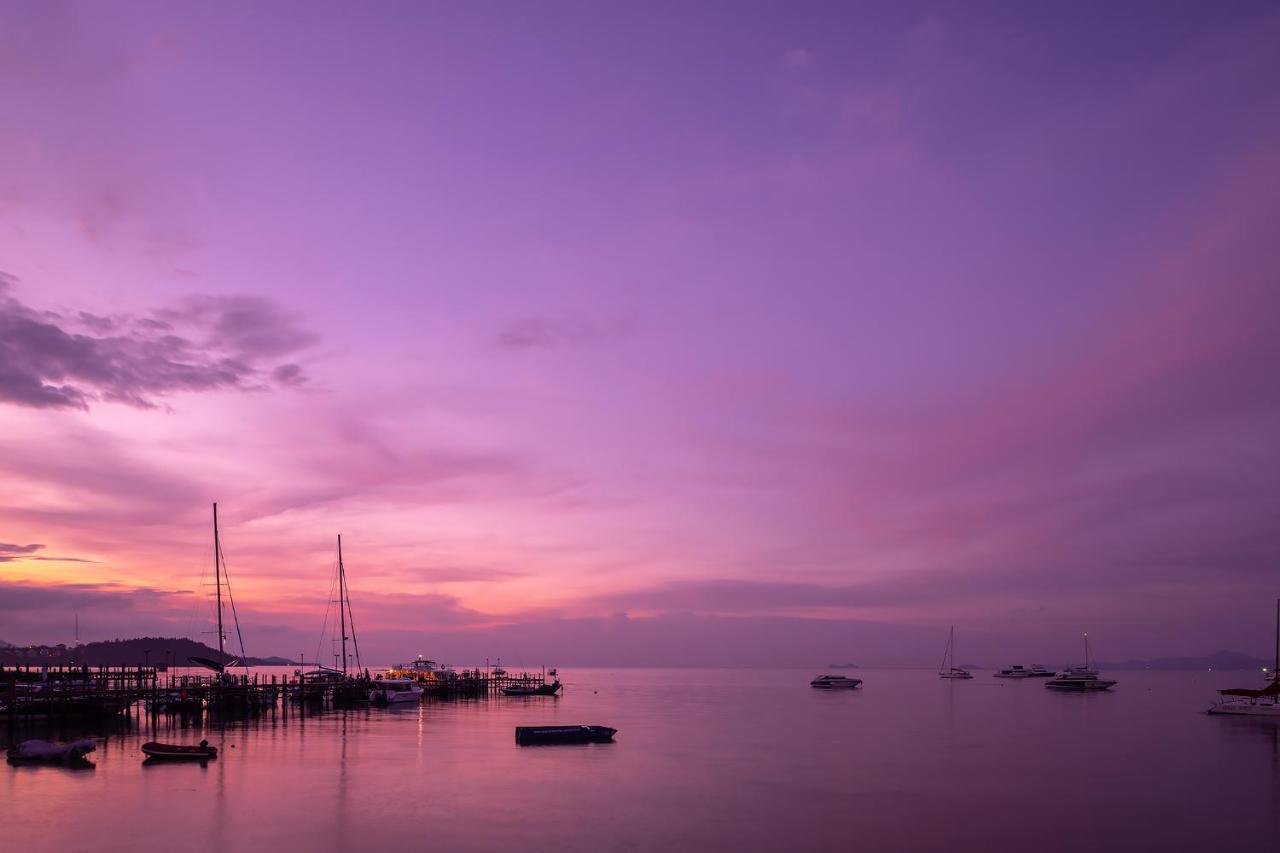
<point>158,651</point>
<point>1218,660</point>
<point>4,645</point>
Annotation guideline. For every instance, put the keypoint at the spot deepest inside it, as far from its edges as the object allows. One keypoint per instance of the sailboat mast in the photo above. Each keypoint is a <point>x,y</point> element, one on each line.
<point>342,607</point>
<point>1275,669</point>
<point>217,573</point>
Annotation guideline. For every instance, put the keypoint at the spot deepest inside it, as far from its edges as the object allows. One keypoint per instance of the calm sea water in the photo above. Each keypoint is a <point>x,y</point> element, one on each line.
<point>704,760</point>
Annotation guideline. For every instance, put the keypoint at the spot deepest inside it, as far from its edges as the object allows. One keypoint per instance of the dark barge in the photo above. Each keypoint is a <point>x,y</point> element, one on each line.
<point>540,735</point>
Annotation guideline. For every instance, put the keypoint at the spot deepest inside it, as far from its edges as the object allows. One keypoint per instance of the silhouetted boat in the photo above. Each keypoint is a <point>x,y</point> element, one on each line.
<point>549,689</point>
<point>43,752</point>
<point>533,735</point>
<point>952,671</point>
<point>835,682</point>
<point>1080,678</point>
<point>1247,702</point>
<point>174,752</point>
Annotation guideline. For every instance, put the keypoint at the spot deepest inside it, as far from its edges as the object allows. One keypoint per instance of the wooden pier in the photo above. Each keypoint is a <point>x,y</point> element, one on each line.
<point>48,692</point>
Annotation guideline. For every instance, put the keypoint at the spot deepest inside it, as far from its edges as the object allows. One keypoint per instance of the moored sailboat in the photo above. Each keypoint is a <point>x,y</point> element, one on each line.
<point>951,671</point>
<point>1247,702</point>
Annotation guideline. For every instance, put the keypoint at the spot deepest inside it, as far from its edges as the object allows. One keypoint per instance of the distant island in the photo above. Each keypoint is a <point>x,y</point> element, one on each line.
<point>842,666</point>
<point>1218,660</point>
<point>156,651</point>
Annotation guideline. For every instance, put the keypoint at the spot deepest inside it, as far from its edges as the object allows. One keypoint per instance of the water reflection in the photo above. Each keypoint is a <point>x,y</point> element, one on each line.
<point>704,759</point>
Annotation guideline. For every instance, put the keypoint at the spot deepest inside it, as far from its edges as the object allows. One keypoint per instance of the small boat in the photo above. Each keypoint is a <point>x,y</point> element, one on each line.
<point>1247,702</point>
<point>534,735</point>
<point>835,682</point>
<point>43,752</point>
<point>175,752</point>
<point>952,671</point>
<point>545,689</point>
<point>391,691</point>
<point>1080,678</point>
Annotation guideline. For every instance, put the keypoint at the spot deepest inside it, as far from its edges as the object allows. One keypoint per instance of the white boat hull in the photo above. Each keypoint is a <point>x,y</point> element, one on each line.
<point>393,698</point>
<point>1246,709</point>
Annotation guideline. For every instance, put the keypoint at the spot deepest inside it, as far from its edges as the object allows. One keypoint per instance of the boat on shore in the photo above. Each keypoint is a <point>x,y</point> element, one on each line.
<point>70,754</point>
<point>835,682</point>
<point>156,751</point>
<point>1080,679</point>
<point>1248,702</point>
<point>539,735</point>
<point>951,671</point>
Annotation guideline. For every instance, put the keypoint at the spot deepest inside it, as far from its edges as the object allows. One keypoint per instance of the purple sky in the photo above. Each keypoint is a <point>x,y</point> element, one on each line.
<point>681,331</point>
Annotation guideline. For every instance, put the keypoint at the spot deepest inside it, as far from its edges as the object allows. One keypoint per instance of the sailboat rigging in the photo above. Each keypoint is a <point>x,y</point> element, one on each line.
<point>946,670</point>
<point>222,577</point>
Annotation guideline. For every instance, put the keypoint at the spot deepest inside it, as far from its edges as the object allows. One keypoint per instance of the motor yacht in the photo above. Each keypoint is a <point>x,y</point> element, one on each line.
<point>390,691</point>
<point>1017,670</point>
<point>1080,678</point>
<point>835,682</point>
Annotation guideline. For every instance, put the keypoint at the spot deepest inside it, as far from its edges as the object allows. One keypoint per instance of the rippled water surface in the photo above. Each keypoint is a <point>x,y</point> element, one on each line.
<point>704,760</point>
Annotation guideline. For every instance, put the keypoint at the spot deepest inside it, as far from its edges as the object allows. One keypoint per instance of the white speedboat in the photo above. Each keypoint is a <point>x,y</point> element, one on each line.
<point>952,671</point>
<point>1246,702</point>
<point>835,682</point>
<point>391,691</point>
<point>1080,678</point>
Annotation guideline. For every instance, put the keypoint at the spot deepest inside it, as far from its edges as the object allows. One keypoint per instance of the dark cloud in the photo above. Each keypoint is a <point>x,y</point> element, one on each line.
<point>8,548</point>
<point>288,374</point>
<point>9,553</point>
<point>205,343</point>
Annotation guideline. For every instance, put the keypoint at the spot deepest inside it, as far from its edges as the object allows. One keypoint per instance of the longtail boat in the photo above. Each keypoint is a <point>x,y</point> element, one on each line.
<point>175,752</point>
